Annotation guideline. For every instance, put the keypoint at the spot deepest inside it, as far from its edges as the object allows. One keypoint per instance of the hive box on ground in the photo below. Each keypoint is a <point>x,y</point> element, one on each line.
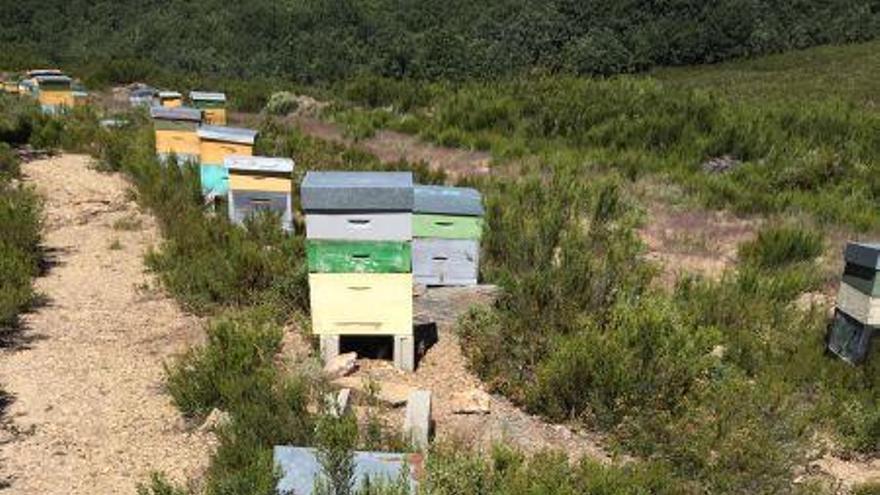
<point>176,132</point>
<point>258,184</point>
<point>300,469</point>
<point>376,304</point>
<point>326,256</point>
<point>446,261</point>
<point>215,144</point>
<point>357,191</point>
<point>213,104</point>
<point>849,339</point>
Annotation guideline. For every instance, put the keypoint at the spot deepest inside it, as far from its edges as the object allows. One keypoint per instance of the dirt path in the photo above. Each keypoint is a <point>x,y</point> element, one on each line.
<point>89,414</point>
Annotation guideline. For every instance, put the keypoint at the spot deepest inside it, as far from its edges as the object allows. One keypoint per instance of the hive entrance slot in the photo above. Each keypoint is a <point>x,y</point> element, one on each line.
<point>361,256</point>
<point>368,347</point>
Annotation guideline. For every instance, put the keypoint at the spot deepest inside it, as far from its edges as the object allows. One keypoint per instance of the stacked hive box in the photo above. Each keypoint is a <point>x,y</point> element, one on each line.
<point>212,104</point>
<point>359,233</point>
<point>215,144</point>
<point>447,224</point>
<point>170,99</point>
<point>54,92</point>
<point>176,132</point>
<point>858,303</point>
<point>260,184</point>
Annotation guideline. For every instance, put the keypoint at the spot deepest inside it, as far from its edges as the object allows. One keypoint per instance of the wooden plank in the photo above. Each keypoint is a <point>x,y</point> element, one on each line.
<point>358,256</point>
<point>446,262</point>
<point>360,226</point>
<point>862,307</point>
<point>447,227</point>
<point>361,304</point>
<point>177,141</point>
<point>252,182</point>
<point>215,152</point>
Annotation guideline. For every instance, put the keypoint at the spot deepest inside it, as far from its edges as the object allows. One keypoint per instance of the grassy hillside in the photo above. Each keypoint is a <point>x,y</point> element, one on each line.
<point>849,73</point>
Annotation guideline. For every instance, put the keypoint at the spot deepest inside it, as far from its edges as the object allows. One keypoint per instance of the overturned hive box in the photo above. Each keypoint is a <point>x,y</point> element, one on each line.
<point>215,144</point>
<point>176,133</point>
<point>212,104</point>
<point>447,226</point>
<point>257,185</point>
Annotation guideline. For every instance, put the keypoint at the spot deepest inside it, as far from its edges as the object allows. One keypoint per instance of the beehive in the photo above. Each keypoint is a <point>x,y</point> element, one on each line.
<point>858,303</point>
<point>447,225</point>
<point>54,92</point>
<point>170,99</point>
<point>176,133</point>
<point>212,104</point>
<point>260,184</point>
<point>142,97</point>
<point>359,233</point>
<point>215,144</point>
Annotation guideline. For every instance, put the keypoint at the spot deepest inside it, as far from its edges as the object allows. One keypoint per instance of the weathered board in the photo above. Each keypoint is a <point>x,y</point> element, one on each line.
<point>849,339</point>
<point>360,226</point>
<point>444,200</point>
<point>243,204</point>
<point>446,262</point>
<point>214,178</point>
<point>863,279</point>
<point>447,227</point>
<point>359,256</point>
<point>248,182</point>
<point>361,304</point>
<point>179,141</point>
<point>862,307</point>
<point>863,254</point>
<point>357,191</point>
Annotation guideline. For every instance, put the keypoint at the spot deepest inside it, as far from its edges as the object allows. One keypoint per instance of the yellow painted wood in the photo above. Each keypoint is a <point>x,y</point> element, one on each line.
<point>214,152</point>
<point>172,102</point>
<point>361,303</point>
<point>179,141</point>
<point>11,87</point>
<point>238,182</point>
<point>59,98</point>
<point>215,116</point>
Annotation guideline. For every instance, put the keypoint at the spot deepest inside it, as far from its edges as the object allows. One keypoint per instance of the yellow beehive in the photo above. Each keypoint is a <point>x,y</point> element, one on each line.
<point>240,182</point>
<point>212,104</point>
<point>216,143</point>
<point>180,142</point>
<point>171,99</point>
<point>361,303</point>
<point>54,91</point>
<point>176,131</point>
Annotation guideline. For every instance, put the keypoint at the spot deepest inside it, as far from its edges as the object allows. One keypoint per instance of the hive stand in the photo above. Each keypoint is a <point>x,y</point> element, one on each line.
<point>404,350</point>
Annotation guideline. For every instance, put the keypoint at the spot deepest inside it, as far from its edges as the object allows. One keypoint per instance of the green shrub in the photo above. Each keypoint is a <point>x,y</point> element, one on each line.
<point>159,485</point>
<point>777,247</point>
<point>282,103</point>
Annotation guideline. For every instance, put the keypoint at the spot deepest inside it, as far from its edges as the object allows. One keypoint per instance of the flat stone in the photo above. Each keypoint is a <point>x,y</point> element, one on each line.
<point>471,402</point>
<point>390,393</point>
<point>341,365</point>
<point>417,424</point>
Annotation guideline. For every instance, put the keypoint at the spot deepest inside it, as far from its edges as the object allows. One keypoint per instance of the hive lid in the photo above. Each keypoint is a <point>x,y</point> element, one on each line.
<point>206,96</point>
<point>228,134</point>
<point>258,164</point>
<point>357,191</point>
<point>44,72</point>
<point>169,94</point>
<point>863,254</point>
<point>448,200</point>
<point>179,113</point>
<point>53,79</point>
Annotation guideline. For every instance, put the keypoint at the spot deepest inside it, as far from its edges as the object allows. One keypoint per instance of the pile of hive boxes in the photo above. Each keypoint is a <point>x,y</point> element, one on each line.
<point>359,244</point>
<point>260,184</point>
<point>447,225</point>
<point>858,304</point>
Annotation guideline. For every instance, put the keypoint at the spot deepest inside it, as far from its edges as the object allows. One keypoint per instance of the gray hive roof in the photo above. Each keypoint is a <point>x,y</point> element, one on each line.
<point>206,96</point>
<point>444,200</point>
<point>53,79</point>
<point>179,113</point>
<point>259,164</point>
<point>170,94</point>
<point>227,134</point>
<point>357,191</point>
<point>863,254</point>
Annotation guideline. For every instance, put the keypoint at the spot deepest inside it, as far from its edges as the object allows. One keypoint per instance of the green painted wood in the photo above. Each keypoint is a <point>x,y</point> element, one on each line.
<point>447,226</point>
<point>327,256</point>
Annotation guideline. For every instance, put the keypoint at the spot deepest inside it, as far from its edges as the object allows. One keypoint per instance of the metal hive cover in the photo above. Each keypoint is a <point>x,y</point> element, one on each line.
<point>206,96</point>
<point>179,113</point>
<point>170,94</point>
<point>863,254</point>
<point>357,191</point>
<point>227,134</point>
<point>45,72</point>
<point>259,164</point>
<point>448,200</point>
<point>53,79</point>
